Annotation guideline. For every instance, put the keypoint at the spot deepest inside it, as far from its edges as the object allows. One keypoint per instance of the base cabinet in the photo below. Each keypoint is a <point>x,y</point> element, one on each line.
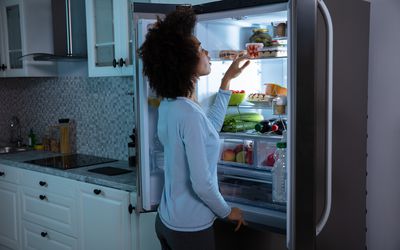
<point>104,218</point>
<point>143,231</point>
<point>8,216</point>
<point>45,212</point>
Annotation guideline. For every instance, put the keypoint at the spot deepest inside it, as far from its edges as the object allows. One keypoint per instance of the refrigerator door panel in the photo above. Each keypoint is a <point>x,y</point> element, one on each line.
<point>151,156</point>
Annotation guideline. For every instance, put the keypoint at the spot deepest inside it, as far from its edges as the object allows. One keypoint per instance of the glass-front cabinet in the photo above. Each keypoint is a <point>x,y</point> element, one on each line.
<point>109,37</point>
<point>26,27</point>
<point>11,38</point>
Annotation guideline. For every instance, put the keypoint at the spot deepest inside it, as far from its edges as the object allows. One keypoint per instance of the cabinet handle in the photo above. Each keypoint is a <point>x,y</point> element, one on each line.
<point>114,63</point>
<point>42,197</point>
<point>2,173</point>
<point>121,62</point>
<point>43,234</point>
<point>97,191</point>
<point>3,67</point>
<point>42,183</point>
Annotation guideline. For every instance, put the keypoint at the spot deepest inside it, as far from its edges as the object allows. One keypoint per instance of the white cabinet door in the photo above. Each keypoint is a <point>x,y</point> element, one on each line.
<point>26,27</point>
<point>11,25</point>
<point>36,237</point>
<point>104,218</point>
<point>50,210</point>
<point>109,37</point>
<point>9,218</point>
<point>143,232</point>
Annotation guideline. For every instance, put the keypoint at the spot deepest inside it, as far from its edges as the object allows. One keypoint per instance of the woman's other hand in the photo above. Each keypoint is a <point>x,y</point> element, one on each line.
<point>233,71</point>
<point>237,215</point>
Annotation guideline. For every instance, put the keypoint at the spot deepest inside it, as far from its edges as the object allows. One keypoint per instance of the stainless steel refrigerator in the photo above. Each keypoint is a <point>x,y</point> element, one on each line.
<point>323,67</point>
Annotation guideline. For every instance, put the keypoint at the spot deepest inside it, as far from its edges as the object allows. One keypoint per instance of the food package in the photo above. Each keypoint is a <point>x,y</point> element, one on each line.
<point>276,51</point>
<point>231,54</point>
<point>273,89</point>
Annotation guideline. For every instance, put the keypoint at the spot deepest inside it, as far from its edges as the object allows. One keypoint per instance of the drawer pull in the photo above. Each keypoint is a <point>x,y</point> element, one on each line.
<point>2,173</point>
<point>97,191</point>
<point>43,234</point>
<point>42,183</point>
<point>42,197</point>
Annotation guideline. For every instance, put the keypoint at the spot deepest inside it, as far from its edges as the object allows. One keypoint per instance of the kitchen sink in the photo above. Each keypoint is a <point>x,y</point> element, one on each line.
<point>8,149</point>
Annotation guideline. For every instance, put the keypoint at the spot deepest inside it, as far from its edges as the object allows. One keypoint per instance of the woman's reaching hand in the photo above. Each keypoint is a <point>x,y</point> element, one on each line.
<point>234,71</point>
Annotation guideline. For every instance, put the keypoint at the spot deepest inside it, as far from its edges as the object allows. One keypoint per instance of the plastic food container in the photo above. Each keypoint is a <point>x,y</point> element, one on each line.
<point>253,49</point>
<point>236,99</point>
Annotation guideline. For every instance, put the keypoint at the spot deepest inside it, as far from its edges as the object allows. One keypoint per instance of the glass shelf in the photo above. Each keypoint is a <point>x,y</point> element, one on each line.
<point>256,60</point>
<point>251,134</point>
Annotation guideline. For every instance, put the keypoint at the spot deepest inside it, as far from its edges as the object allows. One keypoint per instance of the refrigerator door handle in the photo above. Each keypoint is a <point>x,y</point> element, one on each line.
<point>328,196</point>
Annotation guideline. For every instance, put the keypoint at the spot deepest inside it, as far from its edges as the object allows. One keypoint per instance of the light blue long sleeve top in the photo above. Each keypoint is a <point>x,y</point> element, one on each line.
<point>191,200</point>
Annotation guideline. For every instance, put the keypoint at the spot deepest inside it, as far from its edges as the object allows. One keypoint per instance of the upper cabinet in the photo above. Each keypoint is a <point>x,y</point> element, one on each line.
<point>109,37</point>
<point>25,28</point>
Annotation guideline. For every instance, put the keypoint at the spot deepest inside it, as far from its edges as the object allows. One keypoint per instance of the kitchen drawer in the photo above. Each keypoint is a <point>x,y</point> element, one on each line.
<point>49,183</point>
<point>9,174</point>
<point>36,237</point>
<point>50,210</point>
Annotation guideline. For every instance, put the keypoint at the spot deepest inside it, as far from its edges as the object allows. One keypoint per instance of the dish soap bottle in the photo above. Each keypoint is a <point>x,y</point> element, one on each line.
<point>31,139</point>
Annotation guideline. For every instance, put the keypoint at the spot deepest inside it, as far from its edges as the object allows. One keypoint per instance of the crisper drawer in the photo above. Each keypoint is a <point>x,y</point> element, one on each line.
<point>9,174</point>
<point>248,153</point>
<point>49,183</point>
<point>50,210</point>
<point>36,237</point>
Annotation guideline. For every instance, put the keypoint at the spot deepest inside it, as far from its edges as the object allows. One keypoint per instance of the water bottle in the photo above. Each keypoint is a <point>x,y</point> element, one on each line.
<point>279,175</point>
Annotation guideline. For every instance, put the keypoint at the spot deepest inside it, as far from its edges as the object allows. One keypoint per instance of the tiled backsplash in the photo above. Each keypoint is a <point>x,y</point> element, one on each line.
<point>100,107</point>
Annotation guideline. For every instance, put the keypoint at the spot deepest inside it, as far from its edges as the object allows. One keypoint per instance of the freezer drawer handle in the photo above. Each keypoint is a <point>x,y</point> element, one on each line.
<point>42,183</point>
<point>43,234</point>
<point>42,197</point>
<point>328,183</point>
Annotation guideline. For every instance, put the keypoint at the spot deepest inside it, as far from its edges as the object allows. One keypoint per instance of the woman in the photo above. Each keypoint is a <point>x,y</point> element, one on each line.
<point>173,60</point>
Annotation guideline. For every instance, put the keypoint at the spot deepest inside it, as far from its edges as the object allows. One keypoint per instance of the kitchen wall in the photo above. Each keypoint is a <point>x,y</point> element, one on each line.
<point>383,199</point>
<point>100,108</point>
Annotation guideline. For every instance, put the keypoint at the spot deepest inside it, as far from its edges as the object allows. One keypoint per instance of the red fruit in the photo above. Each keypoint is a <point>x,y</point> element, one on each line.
<point>249,157</point>
<point>238,148</point>
<point>270,160</point>
<point>242,91</point>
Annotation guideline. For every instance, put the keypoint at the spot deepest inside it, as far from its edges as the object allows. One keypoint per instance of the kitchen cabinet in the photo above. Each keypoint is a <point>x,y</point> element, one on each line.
<point>26,27</point>
<point>144,232</point>
<point>9,217</point>
<point>104,218</point>
<point>49,211</point>
<point>109,37</point>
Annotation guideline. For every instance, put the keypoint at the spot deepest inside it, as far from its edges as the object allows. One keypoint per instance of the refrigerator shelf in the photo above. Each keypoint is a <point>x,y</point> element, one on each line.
<point>252,134</point>
<point>254,60</point>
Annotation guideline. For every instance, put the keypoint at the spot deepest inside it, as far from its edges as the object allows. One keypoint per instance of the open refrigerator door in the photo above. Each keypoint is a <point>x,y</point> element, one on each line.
<point>258,114</point>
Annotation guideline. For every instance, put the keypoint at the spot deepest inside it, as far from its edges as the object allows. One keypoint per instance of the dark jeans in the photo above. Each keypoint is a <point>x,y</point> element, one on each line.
<point>176,240</point>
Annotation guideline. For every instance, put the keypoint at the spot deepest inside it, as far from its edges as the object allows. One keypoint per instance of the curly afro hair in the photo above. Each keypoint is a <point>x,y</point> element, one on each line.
<point>170,54</point>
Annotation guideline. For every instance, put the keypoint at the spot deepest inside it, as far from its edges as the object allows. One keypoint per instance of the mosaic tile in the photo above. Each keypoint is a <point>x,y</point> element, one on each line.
<point>100,108</point>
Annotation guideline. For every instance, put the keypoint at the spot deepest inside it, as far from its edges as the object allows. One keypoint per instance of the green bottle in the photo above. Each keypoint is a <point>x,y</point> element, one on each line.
<point>31,139</point>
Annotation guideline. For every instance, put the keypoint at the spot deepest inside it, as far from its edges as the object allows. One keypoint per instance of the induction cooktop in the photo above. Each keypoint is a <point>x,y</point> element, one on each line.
<point>65,162</point>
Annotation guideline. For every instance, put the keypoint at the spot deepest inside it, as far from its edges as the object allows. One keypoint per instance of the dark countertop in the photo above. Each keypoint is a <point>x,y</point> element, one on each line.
<point>125,182</point>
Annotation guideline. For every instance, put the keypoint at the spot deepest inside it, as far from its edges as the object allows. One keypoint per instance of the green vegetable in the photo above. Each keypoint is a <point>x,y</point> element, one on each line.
<point>239,126</point>
<point>232,119</point>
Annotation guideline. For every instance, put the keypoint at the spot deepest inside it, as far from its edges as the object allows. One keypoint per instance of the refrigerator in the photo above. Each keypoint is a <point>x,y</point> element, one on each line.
<point>322,64</point>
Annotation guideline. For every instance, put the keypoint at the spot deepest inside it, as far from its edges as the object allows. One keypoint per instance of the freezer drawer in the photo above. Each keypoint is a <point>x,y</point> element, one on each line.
<point>254,196</point>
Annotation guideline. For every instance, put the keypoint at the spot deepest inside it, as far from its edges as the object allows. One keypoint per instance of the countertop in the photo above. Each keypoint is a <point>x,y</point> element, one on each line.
<point>125,182</point>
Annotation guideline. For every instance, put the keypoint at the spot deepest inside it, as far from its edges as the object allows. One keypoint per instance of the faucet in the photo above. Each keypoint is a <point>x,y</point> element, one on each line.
<point>16,137</point>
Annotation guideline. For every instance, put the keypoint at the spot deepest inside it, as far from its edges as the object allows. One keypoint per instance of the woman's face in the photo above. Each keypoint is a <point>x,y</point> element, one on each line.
<point>203,67</point>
